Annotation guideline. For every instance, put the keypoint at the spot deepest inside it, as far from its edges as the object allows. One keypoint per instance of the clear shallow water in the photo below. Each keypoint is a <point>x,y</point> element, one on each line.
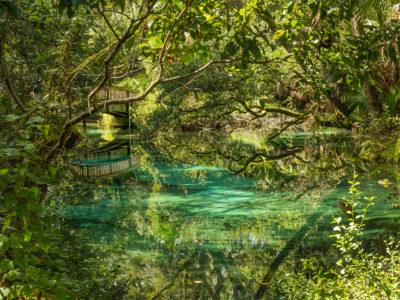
<point>164,215</point>
<point>216,206</point>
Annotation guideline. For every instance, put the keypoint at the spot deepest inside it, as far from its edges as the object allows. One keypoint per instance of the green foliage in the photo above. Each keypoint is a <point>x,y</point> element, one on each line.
<point>352,273</point>
<point>34,252</point>
<point>8,7</point>
<point>71,6</point>
<point>392,100</point>
<point>283,62</point>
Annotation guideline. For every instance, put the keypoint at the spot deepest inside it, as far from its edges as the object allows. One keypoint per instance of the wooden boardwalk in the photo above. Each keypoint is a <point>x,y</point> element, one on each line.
<point>110,160</point>
<point>120,111</point>
<point>115,160</point>
<point>115,93</point>
<point>106,168</point>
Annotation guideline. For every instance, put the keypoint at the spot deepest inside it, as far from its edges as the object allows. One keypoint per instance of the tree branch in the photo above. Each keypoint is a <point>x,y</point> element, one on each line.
<point>129,32</point>
<point>101,11</point>
<point>8,84</point>
<point>165,48</point>
<point>265,110</point>
<point>255,157</point>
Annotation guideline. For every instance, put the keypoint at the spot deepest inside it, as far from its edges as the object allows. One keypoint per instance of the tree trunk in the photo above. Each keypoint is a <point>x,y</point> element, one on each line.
<point>7,83</point>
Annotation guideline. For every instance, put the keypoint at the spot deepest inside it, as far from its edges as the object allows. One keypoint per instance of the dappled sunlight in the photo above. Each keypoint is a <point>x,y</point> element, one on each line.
<point>202,149</point>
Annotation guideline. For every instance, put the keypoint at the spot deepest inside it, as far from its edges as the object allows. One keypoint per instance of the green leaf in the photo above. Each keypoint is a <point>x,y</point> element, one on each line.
<point>155,42</point>
<point>31,193</point>
<point>35,120</point>
<point>52,170</point>
<point>6,224</point>
<point>6,265</point>
<point>12,275</point>
<point>5,291</point>
<point>30,147</point>
<point>27,235</point>
<point>10,118</point>
<point>11,151</point>
<point>3,240</point>
<point>278,34</point>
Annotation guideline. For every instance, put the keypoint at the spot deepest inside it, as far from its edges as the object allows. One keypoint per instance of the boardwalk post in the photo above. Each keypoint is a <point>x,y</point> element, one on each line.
<point>127,104</point>
<point>129,153</point>
<point>130,137</point>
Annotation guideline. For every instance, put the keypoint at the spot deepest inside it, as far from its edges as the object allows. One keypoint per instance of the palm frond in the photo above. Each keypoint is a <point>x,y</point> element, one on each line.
<point>392,100</point>
<point>357,101</point>
<point>375,10</point>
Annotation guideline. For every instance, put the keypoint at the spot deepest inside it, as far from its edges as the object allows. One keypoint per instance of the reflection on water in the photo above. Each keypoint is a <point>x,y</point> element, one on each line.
<point>217,205</point>
<point>197,232</point>
<point>107,125</point>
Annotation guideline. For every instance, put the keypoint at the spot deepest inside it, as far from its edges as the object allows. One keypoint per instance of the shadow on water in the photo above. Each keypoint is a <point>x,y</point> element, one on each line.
<point>318,217</point>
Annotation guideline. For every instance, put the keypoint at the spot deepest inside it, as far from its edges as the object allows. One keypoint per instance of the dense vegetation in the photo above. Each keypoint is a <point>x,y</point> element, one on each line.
<point>227,68</point>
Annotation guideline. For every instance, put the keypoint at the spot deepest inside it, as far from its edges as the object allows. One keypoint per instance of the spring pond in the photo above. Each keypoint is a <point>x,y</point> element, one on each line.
<point>195,231</point>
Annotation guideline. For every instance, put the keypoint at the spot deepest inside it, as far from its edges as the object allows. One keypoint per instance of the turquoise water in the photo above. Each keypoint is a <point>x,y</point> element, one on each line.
<point>160,214</point>
<point>218,205</point>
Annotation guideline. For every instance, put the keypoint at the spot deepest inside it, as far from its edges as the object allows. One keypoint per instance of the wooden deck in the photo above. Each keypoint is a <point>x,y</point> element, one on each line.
<point>115,93</point>
<point>120,111</point>
<point>108,160</point>
<point>107,167</point>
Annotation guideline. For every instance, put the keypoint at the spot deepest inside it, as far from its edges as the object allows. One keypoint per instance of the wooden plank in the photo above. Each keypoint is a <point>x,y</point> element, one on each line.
<point>106,169</point>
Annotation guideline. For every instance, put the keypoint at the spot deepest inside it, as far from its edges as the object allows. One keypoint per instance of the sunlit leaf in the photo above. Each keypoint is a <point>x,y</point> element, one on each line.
<point>278,34</point>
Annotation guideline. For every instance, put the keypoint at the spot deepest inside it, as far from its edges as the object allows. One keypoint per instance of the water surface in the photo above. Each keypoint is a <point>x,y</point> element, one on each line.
<point>218,227</point>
